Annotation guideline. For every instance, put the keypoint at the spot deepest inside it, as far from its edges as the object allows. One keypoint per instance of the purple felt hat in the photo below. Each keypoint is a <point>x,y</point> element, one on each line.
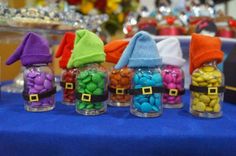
<point>33,50</point>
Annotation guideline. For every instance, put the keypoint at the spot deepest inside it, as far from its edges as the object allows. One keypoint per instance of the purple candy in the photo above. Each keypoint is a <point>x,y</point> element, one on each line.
<point>47,84</point>
<point>33,91</point>
<point>38,87</point>
<point>43,90</point>
<point>49,77</point>
<point>32,74</point>
<point>35,104</point>
<point>40,79</point>
<point>30,84</point>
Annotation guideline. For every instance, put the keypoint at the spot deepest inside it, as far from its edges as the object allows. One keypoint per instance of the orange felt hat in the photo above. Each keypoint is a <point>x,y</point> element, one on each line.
<point>65,49</point>
<point>204,49</point>
<point>114,50</point>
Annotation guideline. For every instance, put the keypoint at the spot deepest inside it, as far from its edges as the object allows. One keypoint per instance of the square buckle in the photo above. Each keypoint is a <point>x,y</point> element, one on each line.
<point>120,91</point>
<point>86,97</point>
<point>33,97</point>
<point>69,85</point>
<point>147,90</point>
<point>212,91</point>
<point>173,92</point>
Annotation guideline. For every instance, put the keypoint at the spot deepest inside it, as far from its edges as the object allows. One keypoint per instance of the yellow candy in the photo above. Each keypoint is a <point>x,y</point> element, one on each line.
<point>195,101</point>
<point>195,83</point>
<point>212,103</point>
<point>196,94</point>
<point>209,85</point>
<point>212,81</point>
<point>203,84</point>
<point>200,107</point>
<point>217,108</point>
<point>208,69</point>
<point>194,107</point>
<point>209,109</point>
<point>205,99</point>
<point>199,79</point>
<point>213,96</point>
<point>195,74</point>
<point>217,73</point>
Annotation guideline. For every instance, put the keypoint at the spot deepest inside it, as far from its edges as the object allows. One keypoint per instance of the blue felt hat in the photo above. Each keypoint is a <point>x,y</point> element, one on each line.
<point>140,52</point>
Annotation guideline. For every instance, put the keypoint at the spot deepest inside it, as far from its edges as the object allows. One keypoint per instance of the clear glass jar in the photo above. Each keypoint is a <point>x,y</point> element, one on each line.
<point>148,104</point>
<point>39,79</point>
<point>173,79</point>
<point>120,79</point>
<point>92,80</point>
<point>68,78</point>
<point>208,105</point>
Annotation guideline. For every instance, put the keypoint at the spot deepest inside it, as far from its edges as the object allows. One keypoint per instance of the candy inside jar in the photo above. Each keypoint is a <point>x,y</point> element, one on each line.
<point>68,84</point>
<point>91,90</point>
<point>173,81</point>
<point>119,84</point>
<point>207,102</point>
<point>39,88</point>
<point>146,101</point>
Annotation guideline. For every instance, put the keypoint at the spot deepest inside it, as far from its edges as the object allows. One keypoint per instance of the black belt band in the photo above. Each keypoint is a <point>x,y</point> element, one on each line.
<point>118,91</point>
<point>146,90</point>
<point>208,90</point>
<point>91,97</point>
<point>67,85</point>
<point>38,97</point>
<point>174,92</point>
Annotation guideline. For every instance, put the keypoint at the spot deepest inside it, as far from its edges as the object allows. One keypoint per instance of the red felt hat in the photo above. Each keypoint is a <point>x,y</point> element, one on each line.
<point>114,50</point>
<point>204,49</point>
<point>65,49</point>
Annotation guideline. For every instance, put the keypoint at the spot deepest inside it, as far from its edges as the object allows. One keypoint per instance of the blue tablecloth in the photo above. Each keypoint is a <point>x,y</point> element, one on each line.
<point>117,133</point>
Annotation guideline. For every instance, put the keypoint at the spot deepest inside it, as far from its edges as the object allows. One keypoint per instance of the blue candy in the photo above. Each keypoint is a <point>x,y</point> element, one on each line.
<point>137,105</point>
<point>146,107</point>
<point>157,102</point>
<point>157,78</point>
<point>152,100</point>
<point>136,79</point>
<point>141,100</point>
<point>137,86</point>
<point>156,109</point>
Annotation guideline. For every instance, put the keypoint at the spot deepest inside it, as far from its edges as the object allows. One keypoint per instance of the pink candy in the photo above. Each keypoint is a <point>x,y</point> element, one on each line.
<point>173,78</point>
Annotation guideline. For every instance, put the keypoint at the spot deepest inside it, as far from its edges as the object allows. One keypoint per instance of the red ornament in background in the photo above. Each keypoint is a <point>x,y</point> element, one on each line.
<point>170,20</point>
<point>74,2</point>
<point>232,23</point>
<point>101,5</point>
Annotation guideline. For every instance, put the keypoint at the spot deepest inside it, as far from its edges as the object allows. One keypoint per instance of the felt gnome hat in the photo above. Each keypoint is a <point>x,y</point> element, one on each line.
<point>65,49</point>
<point>88,48</point>
<point>170,52</point>
<point>33,50</point>
<point>114,50</point>
<point>204,49</point>
<point>140,52</point>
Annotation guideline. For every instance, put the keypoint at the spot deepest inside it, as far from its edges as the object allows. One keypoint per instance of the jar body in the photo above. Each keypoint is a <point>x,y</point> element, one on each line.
<point>173,79</point>
<point>205,104</point>
<point>147,105</point>
<point>39,79</point>
<point>120,79</point>
<point>68,79</point>
<point>92,80</point>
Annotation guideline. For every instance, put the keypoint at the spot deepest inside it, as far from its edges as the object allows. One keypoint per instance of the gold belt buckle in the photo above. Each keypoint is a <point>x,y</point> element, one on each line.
<point>120,91</point>
<point>146,90</point>
<point>33,97</point>
<point>69,85</point>
<point>212,91</point>
<point>173,92</point>
<point>86,97</point>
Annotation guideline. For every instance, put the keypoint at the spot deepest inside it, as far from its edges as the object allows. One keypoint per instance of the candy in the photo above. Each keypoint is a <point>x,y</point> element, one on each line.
<point>149,103</point>
<point>38,82</point>
<point>207,76</point>
<point>90,82</point>
<point>120,79</point>
<point>173,78</point>
<point>68,76</point>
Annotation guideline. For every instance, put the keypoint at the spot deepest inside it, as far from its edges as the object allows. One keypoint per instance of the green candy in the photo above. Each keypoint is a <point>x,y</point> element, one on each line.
<point>98,91</point>
<point>88,79</point>
<point>101,74</point>
<point>80,105</point>
<point>98,106</point>
<point>81,90</point>
<point>89,106</point>
<point>101,84</point>
<point>96,78</point>
<point>83,75</point>
<point>88,91</point>
<point>81,85</point>
<point>91,86</point>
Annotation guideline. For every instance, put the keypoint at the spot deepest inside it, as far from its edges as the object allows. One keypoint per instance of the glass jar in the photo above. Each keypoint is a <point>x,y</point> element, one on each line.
<point>147,103</point>
<point>207,103</point>
<point>68,79</point>
<point>91,83</point>
<point>39,79</point>
<point>119,83</point>
<point>173,81</point>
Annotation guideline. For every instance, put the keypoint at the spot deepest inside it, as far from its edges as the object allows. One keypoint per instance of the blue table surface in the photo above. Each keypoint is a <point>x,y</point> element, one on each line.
<point>117,133</point>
